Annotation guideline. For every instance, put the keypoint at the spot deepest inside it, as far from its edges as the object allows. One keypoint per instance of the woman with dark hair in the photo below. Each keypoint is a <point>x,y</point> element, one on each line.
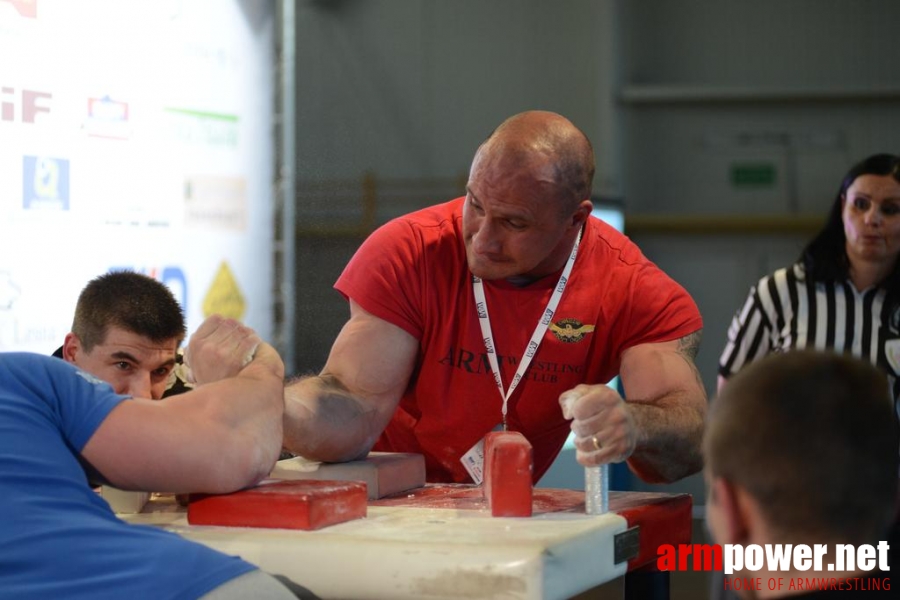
<point>842,295</point>
<point>844,292</point>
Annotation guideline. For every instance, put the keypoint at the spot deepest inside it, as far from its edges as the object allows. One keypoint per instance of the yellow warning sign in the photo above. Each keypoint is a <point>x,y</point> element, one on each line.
<point>224,296</point>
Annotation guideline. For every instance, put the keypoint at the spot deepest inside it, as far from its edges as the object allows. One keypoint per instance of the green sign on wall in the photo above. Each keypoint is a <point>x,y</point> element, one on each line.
<point>753,175</point>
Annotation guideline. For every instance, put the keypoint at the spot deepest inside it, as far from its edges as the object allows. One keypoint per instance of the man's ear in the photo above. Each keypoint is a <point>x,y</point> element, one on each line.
<point>735,523</point>
<point>71,348</point>
<point>582,213</point>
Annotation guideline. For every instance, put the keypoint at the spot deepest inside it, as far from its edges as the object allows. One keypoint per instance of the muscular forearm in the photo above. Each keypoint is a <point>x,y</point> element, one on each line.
<point>669,434</point>
<point>219,438</point>
<point>246,414</point>
<point>323,421</point>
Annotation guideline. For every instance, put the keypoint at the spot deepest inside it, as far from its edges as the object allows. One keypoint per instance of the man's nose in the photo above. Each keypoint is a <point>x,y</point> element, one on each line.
<point>487,239</point>
<point>139,386</point>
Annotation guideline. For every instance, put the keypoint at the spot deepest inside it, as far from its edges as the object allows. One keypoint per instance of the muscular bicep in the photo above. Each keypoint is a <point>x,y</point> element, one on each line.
<point>373,360</point>
<point>667,401</point>
<point>664,369</point>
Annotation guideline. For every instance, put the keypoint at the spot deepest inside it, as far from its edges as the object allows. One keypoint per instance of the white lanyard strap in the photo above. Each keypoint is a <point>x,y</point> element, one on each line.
<point>485,322</point>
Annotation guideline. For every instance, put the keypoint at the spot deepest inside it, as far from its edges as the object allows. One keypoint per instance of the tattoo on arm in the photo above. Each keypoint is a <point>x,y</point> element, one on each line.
<point>688,347</point>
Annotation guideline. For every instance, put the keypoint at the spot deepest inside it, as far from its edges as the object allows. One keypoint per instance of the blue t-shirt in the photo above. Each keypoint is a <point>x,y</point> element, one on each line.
<point>58,537</point>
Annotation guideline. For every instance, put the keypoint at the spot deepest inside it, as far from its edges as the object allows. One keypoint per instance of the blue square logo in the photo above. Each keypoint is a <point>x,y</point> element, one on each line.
<point>45,183</point>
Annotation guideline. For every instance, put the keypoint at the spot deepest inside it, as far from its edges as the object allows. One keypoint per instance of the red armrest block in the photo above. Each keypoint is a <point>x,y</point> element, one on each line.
<point>306,504</point>
<point>508,465</point>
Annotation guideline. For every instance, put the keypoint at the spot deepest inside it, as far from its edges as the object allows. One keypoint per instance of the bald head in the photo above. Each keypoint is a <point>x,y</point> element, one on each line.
<point>527,198</point>
<point>536,140</point>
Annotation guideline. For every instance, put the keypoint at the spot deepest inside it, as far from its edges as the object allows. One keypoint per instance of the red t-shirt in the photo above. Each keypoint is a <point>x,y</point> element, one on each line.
<point>412,272</point>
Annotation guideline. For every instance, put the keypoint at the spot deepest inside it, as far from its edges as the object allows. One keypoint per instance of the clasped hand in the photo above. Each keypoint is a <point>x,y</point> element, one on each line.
<point>219,348</point>
<point>604,427</point>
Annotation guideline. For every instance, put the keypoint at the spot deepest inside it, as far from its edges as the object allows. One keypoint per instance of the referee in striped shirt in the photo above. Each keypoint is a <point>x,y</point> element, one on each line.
<point>842,295</point>
<point>844,292</point>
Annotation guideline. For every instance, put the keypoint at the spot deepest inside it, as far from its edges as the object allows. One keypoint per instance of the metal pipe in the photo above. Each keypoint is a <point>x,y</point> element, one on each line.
<point>285,185</point>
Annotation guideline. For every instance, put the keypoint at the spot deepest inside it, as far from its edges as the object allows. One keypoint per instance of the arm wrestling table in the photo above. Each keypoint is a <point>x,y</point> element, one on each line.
<point>440,541</point>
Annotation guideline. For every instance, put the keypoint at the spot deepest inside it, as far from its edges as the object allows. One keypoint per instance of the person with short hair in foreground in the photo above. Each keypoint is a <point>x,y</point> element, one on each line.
<point>60,426</point>
<point>801,448</point>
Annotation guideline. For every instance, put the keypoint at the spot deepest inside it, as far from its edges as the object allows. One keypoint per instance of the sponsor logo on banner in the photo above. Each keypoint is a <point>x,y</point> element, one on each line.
<point>203,127</point>
<point>24,106</point>
<point>45,183</point>
<point>200,57</point>
<point>23,327</point>
<point>25,8</point>
<point>224,296</point>
<point>29,332</point>
<point>218,203</point>
<point>9,291</point>
<point>107,118</point>
<point>173,277</point>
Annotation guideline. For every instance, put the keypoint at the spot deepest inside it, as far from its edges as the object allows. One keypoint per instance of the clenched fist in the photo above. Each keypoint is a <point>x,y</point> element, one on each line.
<point>604,428</point>
<point>219,348</point>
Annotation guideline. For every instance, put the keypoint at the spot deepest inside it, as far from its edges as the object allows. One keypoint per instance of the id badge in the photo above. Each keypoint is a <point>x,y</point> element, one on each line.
<point>473,460</point>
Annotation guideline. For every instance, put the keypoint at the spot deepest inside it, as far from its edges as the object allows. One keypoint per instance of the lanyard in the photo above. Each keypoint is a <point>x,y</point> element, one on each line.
<point>485,322</point>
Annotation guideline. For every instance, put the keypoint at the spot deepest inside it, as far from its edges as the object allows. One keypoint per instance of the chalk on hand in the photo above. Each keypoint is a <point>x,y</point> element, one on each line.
<point>508,467</point>
<point>568,399</point>
<point>306,504</point>
<point>248,358</point>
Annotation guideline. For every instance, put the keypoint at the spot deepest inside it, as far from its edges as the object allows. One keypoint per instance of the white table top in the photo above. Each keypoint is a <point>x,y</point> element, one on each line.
<point>400,552</point>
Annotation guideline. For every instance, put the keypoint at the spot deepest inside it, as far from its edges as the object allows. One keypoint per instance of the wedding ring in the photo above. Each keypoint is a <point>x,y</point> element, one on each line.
<point>597,443</point>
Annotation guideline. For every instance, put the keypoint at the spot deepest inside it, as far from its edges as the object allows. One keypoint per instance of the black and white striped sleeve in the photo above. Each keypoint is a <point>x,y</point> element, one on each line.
<point>749,335</point>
